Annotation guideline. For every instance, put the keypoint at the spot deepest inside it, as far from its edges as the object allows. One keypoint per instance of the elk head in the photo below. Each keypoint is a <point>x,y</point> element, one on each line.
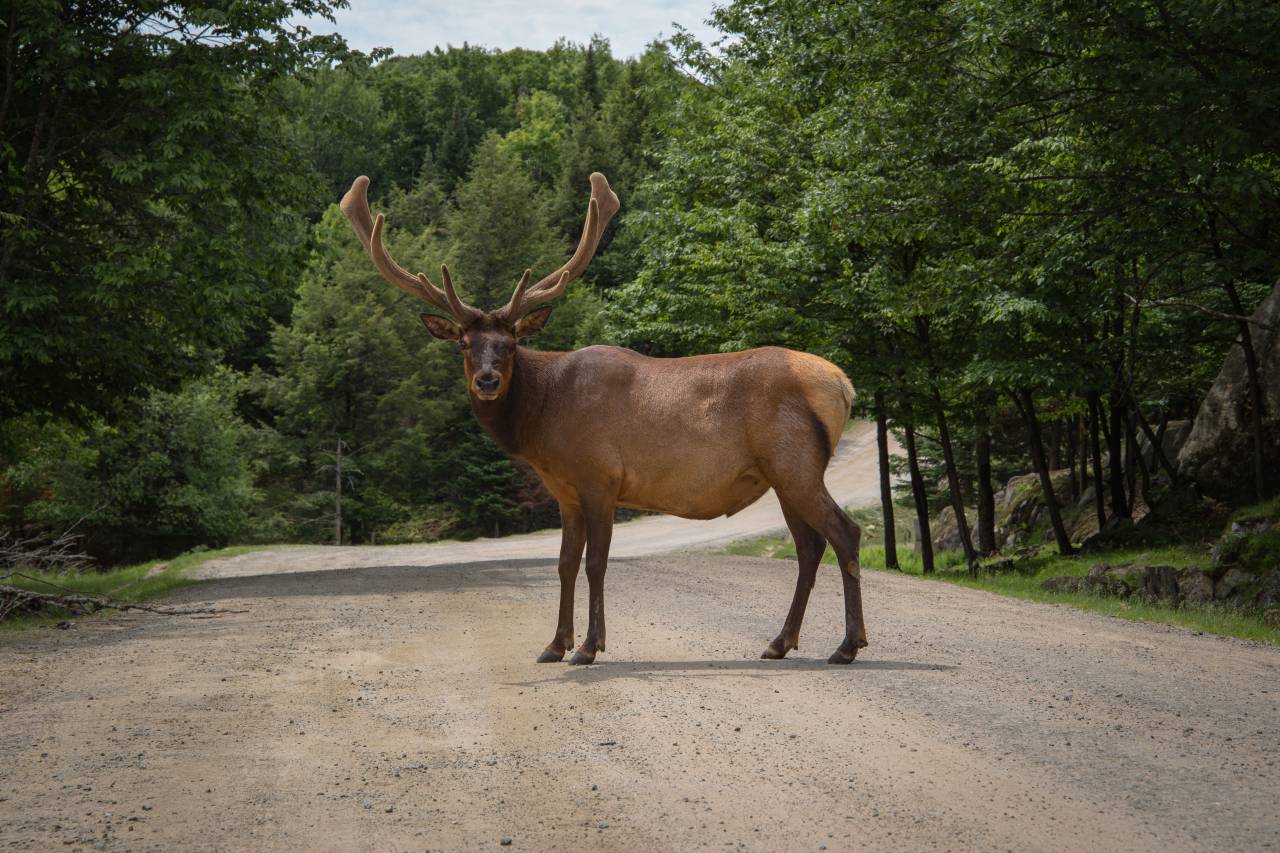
<point>487,339</point>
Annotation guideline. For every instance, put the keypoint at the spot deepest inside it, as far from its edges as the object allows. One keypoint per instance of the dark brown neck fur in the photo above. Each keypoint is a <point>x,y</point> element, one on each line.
<point>509,420</point>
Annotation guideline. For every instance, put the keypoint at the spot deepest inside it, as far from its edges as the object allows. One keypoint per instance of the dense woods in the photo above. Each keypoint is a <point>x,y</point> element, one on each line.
<point>1029,232</point>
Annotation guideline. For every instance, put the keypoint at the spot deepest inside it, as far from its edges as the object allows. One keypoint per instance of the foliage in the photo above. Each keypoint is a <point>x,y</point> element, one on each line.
<point>150,208</point>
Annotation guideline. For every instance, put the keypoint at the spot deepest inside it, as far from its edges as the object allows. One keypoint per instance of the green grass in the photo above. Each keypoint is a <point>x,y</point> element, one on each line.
<point>128,584</point>
<point>1025,583</point>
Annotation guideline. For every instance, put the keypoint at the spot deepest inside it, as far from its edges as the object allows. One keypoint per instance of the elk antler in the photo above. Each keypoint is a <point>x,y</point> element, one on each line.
<point>600,209</point>
<point>355,206</point>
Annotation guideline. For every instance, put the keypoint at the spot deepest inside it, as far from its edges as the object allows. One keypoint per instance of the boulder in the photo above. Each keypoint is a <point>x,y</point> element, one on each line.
<point>1231,584</point>
<point>1175,436</point>
<point>946,532</point>
<point>1217,455</point>
<point>1100,584</point>
<point>1196,586</point>
<point>1160,583</point>
<point>1153,583</point>
<point>1020,508</point>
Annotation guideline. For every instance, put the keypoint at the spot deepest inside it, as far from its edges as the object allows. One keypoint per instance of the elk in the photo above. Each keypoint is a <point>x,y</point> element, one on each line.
<point>606,427</point>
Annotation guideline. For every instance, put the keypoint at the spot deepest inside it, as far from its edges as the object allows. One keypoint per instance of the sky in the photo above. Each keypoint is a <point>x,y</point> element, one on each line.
<point>410,27</point>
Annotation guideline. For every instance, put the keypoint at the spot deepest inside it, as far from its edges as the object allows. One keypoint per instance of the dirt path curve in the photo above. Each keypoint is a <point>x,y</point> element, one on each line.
<point>851,479</point>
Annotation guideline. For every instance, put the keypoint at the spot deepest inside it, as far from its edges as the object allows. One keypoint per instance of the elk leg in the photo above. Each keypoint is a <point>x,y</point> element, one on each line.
<point>573,537</point>
<point>809,548</point>
<point>599,523</point>
<point>820,511</point>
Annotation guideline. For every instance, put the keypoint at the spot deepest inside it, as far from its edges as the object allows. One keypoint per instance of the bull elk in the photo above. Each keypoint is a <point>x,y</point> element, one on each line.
<point>605,427</point>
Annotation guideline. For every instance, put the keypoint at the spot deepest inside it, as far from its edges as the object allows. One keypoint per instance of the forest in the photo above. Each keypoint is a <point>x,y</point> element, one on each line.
<point>1031,233</point>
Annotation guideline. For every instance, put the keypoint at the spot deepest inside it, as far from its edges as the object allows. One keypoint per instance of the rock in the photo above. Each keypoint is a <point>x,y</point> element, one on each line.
<point>1196,586</point>
<point>946,532</point>
<point>1065,583</point>
<point>1101,584</point>
<point>1269,591</point>
<point>1000,567</point>
<point>1175,436</point>
<point>1272,616</point>
<point>1218,455</point>
<point>505,841</point>
<point>1020,507</point>
<point>1160,583</point>
<point>1231,584</point>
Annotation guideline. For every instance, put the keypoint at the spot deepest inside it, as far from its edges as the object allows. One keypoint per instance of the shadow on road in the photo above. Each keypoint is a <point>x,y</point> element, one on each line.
<point>376,580</point>
<point>606,670</point>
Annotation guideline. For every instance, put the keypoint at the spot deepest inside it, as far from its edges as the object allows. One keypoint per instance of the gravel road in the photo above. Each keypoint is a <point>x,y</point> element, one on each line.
<point>398,707</point>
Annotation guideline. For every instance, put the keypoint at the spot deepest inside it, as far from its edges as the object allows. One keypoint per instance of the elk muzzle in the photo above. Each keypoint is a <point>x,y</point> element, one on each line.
<point>487,383</point>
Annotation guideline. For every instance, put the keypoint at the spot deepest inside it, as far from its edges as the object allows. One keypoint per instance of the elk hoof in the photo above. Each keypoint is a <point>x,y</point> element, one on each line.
<point>551,655</point>
<point>776,650</point>
<point>845,654</point>
<point>581,658</point>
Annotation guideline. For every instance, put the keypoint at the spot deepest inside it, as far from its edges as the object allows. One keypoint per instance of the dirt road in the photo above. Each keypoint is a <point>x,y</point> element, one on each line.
<point>399,708</point>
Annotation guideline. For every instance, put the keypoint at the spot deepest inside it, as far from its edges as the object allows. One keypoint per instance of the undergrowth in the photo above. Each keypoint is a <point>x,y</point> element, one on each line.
<point>125,585</point>
<point>1023,579</point>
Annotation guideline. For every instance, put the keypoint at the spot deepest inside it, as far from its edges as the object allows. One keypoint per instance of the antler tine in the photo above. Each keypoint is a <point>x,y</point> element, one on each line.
<point>600,210</point>
<point>355,206</point>
<point>512,309</point>
<point>460,309</point>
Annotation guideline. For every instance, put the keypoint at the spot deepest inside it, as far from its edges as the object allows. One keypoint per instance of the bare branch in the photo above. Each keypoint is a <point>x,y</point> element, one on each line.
<point>1219,315</point>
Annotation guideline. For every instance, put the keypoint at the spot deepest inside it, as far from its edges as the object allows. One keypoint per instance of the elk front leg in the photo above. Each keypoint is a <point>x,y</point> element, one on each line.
<point>599,522</point>
<point>573,536</point>
<point>809,548</point>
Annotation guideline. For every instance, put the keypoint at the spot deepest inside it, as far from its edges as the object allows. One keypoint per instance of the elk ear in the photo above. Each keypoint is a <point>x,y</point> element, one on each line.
<point>441,328</point>
<point>532,323</point>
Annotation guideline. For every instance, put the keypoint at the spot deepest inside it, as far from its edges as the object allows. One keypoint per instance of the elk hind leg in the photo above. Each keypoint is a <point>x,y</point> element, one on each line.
<point>820,511</point>
<point>809,548</point>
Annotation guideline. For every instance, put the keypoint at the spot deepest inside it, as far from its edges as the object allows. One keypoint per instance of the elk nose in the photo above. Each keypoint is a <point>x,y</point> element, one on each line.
<point>488,381</point>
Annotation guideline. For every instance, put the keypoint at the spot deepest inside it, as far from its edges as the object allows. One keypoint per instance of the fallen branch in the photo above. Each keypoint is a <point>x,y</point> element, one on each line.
<point>13,598</point>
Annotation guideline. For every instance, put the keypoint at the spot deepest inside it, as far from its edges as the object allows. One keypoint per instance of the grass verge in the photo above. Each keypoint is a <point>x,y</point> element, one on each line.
<point>128,584</point>
<point>1025,581</point>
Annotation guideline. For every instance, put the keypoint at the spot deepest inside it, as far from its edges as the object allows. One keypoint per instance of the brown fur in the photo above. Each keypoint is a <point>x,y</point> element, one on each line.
<point>604,427</point>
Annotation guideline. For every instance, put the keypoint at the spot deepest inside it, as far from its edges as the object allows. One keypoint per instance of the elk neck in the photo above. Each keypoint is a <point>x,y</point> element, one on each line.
<point>510,419</point>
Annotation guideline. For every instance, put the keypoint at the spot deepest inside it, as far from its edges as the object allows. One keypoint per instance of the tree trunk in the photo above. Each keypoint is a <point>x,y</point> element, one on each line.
<point>1095,451</point>
<point>1026,407</point>
<point>1115,453</point>
<point>1143,472</point>
<point>1157,445</point>
<point>922,501</point>
<point>1131,462</point>
<point>953,485</point>
<point>1258,413</point>
<point>886,486</point>
<point>986,500</point>
<point>1073,432</point>
<point>337,494</point>
<point>1052,448</point>
<point>1083,454</point>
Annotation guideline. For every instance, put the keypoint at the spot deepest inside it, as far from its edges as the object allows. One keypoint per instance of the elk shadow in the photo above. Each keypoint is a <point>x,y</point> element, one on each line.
<point>652,670</point>
<point>373,580</point>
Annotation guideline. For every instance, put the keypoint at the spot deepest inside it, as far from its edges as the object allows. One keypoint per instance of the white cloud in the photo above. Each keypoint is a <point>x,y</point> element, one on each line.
<point>417,27</point>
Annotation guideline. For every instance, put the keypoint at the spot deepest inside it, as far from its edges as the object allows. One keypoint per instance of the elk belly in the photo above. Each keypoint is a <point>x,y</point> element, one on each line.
<point>693,491</point>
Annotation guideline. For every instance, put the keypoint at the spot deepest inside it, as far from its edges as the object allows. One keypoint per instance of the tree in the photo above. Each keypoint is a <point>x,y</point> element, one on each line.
<point>126,129</point>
